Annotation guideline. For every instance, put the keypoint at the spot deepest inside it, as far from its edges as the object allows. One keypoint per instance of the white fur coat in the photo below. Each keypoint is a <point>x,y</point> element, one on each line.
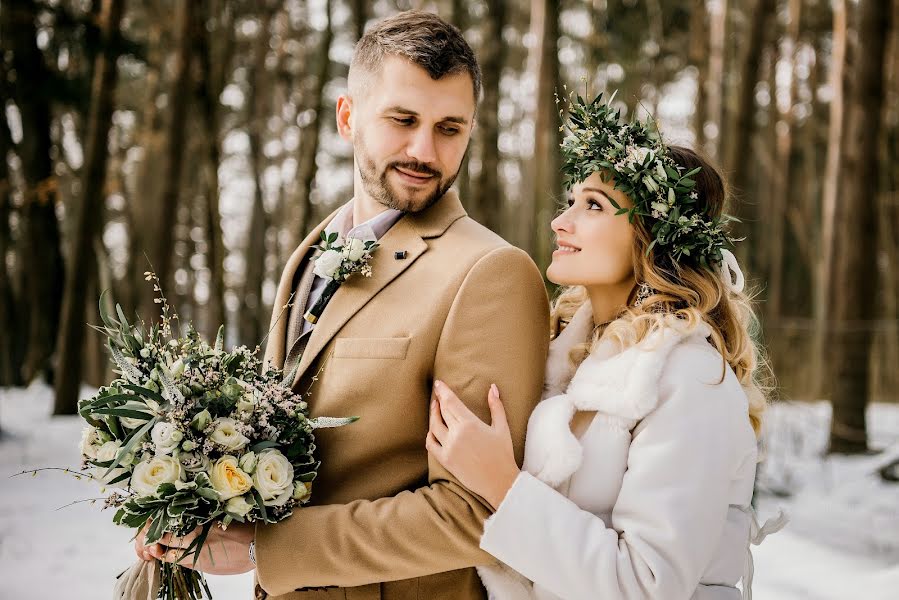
<point>651,501</point>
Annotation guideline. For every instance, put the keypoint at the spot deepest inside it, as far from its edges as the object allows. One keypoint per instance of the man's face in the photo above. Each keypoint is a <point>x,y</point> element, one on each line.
<point>409,133</point>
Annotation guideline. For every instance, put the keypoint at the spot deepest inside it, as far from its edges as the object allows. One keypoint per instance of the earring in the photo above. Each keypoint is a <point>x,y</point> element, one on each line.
<point>644,291</point>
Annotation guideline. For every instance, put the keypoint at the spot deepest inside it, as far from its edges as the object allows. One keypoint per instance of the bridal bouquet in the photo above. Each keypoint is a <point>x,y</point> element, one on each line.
<point>193,436</point>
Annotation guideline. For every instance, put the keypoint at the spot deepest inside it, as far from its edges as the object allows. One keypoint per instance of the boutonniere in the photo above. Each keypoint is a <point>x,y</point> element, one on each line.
<point>339,260</point>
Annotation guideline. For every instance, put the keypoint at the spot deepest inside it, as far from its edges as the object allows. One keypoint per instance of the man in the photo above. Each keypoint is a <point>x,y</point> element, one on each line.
<point>447,300</point>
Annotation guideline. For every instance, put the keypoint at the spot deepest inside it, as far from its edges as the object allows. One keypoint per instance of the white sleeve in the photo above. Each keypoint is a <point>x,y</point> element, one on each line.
<point>668,518</point>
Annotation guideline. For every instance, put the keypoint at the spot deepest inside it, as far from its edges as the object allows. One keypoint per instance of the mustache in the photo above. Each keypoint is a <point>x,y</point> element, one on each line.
<point>417,167</point>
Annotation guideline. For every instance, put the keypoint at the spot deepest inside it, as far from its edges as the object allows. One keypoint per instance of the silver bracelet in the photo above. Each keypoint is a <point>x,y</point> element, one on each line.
<point>253,552</point>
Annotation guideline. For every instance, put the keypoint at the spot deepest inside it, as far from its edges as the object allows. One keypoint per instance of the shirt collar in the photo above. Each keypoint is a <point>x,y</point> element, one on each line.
<point>369,231</point>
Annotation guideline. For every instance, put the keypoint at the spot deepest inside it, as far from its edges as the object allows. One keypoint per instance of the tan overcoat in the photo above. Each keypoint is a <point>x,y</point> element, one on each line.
<point>386,521</point>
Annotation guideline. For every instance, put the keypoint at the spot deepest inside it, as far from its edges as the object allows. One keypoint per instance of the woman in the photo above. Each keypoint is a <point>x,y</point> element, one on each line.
<point>640,461</point>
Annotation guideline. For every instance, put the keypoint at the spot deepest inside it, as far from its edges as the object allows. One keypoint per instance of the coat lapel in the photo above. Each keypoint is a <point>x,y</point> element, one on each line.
<point>408,234</point>
<point>277,336</point>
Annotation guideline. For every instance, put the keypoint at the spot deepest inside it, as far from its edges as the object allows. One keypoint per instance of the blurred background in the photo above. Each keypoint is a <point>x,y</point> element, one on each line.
<point>196,138</point>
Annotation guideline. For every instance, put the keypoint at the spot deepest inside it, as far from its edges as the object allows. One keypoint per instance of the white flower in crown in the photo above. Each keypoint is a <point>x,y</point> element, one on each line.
<point>659,210</point>
<point>636,155</point>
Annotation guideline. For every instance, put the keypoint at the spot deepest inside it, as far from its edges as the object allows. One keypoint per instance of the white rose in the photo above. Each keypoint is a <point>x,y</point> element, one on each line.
<point>193,462</point>
<point>328,263</point>
<point>226,434</point>
<point>273,478</point>
<point>355,249</point>
<point>228,479</point>
<point>149,475</point>
<point>239,506</point>
<point>166,437</point>
<point>107,452</point>
<point>90,441</point>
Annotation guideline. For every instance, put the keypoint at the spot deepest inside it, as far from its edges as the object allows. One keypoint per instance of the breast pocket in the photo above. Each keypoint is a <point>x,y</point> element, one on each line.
<point>394,348</point>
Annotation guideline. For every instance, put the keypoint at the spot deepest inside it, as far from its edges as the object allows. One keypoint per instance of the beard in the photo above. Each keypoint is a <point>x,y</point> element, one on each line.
<point>378,186</point>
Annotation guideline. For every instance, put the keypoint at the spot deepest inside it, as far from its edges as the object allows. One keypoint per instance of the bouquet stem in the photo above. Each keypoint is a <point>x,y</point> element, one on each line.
<point>181,583</point>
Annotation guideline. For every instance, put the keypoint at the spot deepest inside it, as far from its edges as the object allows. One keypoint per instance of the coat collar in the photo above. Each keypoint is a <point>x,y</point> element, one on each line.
<point>408,234</point>
<point>619,384</point>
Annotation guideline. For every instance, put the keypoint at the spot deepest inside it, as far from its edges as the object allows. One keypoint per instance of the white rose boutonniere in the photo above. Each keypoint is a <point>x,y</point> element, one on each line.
<point>328,264</point>
<point>340,259</point>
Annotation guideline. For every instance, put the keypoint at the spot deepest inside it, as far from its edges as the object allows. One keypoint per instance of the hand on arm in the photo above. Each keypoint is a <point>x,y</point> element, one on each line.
<point>479,455</point>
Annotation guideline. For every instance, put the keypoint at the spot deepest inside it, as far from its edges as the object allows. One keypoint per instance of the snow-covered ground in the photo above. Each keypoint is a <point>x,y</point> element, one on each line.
<point>842,541</point>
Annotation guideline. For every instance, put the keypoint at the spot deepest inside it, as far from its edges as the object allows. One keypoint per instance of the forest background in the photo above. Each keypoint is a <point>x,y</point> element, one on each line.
<point>198,136</point>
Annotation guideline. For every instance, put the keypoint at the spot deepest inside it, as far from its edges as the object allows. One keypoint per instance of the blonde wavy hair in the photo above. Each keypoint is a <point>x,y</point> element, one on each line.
<point>687,295</point>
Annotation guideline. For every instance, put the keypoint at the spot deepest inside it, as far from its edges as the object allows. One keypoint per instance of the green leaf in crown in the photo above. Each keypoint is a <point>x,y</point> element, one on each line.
<point>635,157</point>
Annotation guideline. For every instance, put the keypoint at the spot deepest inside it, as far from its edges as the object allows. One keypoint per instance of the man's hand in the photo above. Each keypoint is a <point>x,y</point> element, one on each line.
<point>225,551</point>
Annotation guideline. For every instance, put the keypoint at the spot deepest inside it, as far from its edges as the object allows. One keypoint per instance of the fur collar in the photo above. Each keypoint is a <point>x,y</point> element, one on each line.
<point>621,384</point>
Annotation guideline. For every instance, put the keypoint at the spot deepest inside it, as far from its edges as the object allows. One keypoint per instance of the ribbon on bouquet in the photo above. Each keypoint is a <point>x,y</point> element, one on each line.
<point>141,581</point>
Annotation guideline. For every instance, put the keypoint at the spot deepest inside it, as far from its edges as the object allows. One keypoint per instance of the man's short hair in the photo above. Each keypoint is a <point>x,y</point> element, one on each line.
<point>422,38</point>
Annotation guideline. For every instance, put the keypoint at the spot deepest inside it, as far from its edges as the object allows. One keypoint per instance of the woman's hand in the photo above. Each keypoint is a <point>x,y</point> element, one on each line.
<point>480,456</point>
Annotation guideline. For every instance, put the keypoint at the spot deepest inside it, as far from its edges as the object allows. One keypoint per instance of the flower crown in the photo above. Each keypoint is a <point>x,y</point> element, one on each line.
<point>635,156</point>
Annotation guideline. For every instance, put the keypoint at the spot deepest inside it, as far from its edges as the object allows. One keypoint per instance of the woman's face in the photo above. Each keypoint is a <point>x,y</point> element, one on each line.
<point>594,245</point>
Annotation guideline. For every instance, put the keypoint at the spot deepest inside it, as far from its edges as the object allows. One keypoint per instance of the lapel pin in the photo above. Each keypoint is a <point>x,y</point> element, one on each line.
<point>400,255</point>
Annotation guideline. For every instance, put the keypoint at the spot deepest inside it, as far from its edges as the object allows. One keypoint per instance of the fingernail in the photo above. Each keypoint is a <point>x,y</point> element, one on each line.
<point>437,383</point>
<point>494,389</point>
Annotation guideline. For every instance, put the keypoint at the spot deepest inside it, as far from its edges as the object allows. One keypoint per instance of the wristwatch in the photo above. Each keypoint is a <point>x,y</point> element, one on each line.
<point>253,552</point>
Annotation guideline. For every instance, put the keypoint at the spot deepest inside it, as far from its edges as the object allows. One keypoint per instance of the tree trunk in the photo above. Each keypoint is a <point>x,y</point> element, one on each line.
<point>144,217</point>
<point>214,63</point>
<point>598,40</point>
<point>746,208</point>
<point>162,255</point>
<point>309,139</point>
<point>699,57</point>
<point>547,178</point>
<point>10,354</point>
<point>715,81</point>
<point>488,196</point>
<point>82,260</point>
<point>359,9</point>
<point>780,199</point>
<point>831,184</point>
<point>460,18</point>
<point>854,278</point>
<point>254,255</point>
<point>41,284</point>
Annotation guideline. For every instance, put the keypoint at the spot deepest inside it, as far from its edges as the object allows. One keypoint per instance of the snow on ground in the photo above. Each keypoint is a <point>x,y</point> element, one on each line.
<point>842,541</point>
